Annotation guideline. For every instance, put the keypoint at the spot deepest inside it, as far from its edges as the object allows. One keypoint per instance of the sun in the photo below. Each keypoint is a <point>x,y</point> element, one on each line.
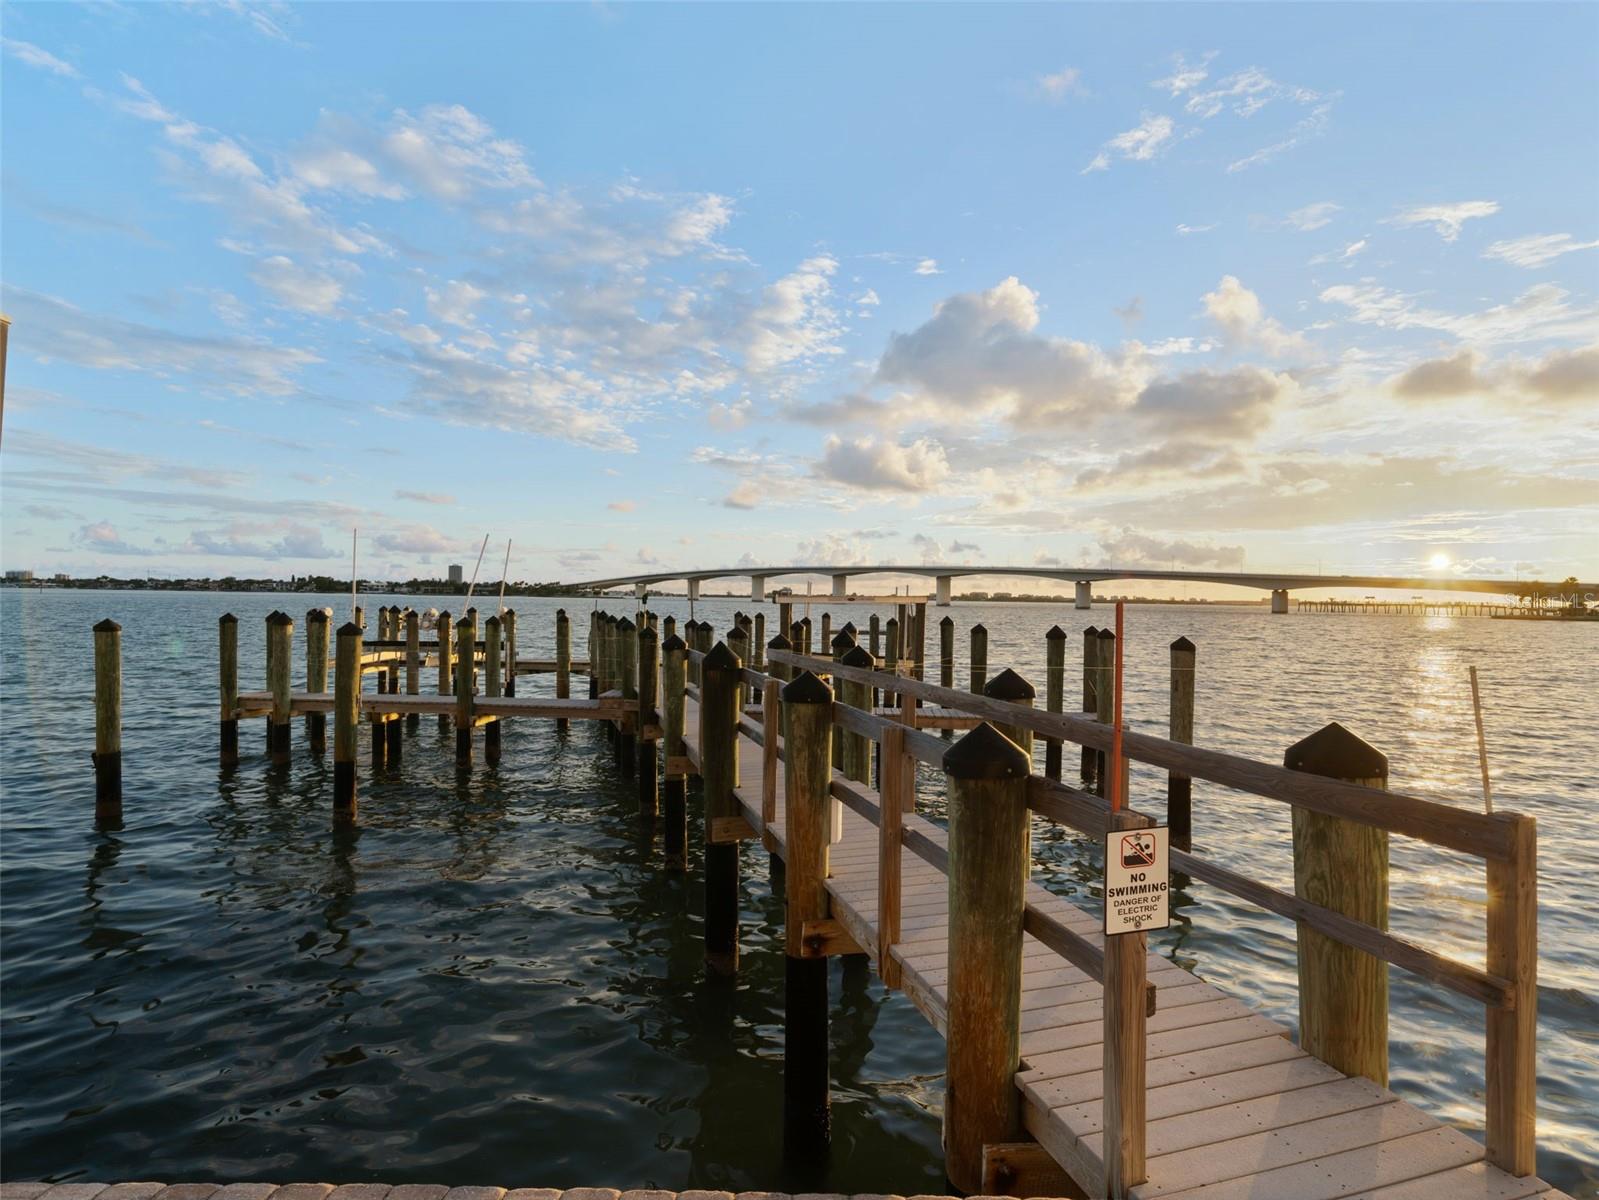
<point>1439,561</point>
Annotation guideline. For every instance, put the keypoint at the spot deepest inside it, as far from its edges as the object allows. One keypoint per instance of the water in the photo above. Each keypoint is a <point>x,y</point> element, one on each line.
<point>493,980</point>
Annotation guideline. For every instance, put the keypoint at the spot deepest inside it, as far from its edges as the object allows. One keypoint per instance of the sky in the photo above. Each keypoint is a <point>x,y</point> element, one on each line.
<point>638,287</point>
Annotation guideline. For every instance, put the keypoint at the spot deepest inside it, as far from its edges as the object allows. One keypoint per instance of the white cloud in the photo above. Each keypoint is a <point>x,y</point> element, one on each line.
<point>1241,317</point>
<point>1537,249</point>
<point>450,152</point>
<point>35,56</point>
<point>1058,85</point>
<point>745,496</point>
<point>928,266</point>
<point>424,497</point>
<point>1213,406</point>
<point>1313,216</point>
<point>1142,143</point>
<point>297,287</point>
<point>1185,230</point>
<point>1307,128</point>
<point>879,465</point>
<point>622,505</point>
<point>454,302</point>
<point>1446,219</point>
<point>794,319</point>
<point>1185,75</point>
<point>1539,312</point>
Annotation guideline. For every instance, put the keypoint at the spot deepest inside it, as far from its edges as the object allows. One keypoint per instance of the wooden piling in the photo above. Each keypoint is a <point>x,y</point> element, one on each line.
<point>1342,865</point>
<point>1513,1029</point>
<point>413,662</point>
<point>280,632</point>
<point>719,680</point>
<point>1180,788</point>
<point>465,682</point>
<point>649,677</point>
<point>346,718</point>
<point>826,640</point>
<point>1105,703</point>
<point>493,647</point>
<point>674,678</point>
<point>807,777</point>
<point>780,671</point>
<point>806,636</point>
<point>446,633</point>
<point>946,652</point>
<point>1054,693</point>
<point>857,751</point>
<point>508,630</point>
<point>594,654</point>
<point>918,653</point>
<point>979,658</point>
<point>987,776</point>
<point>1090,757</point>
<point>318,627</point>
<point>107,756</point>
<point>563,661</point>
<point>874,636</point>
<point>841,645</point>
<point>1013,688</point>
<point>1124,1049</point>
<point>739,643</point>
<point>668,628</point>
<point>626,659</point>
<point>890,655</point>
<point>228,679</point>
<point>758,644</point>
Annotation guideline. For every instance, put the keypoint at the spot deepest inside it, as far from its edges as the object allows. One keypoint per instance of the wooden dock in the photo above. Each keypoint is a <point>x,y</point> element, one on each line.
<point>1078,1063</point>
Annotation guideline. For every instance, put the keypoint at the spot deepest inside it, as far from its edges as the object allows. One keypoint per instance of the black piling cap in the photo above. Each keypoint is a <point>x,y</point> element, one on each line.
<point>495,621</point>
<point>1332,751</point>
<point>280,618</point>
<point>806,688</point>
<point>982,629</point>
<point>108,626</point>
<point>444,615</point>
<point>349,629</point>
<point>849,628</point>
<point>842,641</point>
<point>1008,685</point>
<point>1092,631</point>
<point>1055,634</point>
<point>780,643</point>
<point>805,621</point>
<point>625,625</point>
<point>647,631</point>
<point>858,656</point>
<point>985,753</point>
<point>674,642</point>
<point>227,619</point>
<point>316,614</point>
<point>1183,644</point>
<point>1107,635</point>
<point>894,621</point>
<point>950,621</point>
<point>720,657</point>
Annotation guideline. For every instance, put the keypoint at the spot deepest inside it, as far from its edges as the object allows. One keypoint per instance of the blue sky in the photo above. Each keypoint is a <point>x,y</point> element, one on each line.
<point>648,285</point>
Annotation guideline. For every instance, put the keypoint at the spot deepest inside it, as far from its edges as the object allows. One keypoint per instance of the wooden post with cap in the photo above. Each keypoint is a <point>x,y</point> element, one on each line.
<point>228,680</point>
<point>280,631</point>
<point>720,675</point>
<point>625,641</point>
<point>563,661</point>
<point>493,633</point>
<point>318,625</point>
<point>1180,788</point>
<point>465,683</point>
<point>987,775</point>
<point>946,652</point>
<point>649,676</point>
<point>445,633</point>
<point>979,658</point>
<point>1342,865</point>
<point>413,662</point>
<point>1054,693</point>
<point>1090,764</point>
<point>807,777</point>
<point>674,681</point>
<point>346,718</point>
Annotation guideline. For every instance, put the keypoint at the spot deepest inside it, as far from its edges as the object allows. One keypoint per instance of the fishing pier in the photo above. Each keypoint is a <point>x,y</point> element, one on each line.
<point>1078,1064</point>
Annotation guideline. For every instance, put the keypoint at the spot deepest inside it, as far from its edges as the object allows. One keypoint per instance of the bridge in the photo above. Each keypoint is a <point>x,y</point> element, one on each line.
<point>1084,578</point>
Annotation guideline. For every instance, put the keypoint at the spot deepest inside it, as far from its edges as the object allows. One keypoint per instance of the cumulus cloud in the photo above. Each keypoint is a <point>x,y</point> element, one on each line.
<point>1059,85</point>
<point>1446,219</point>
<point>1128,548</point>
<point>928,266</point>
<point>1225,406</point>
<point>794,319</point>
<point>745,496</point>
<point>982,350</point>
<point>1145,141</point>
<point>415,539</point>
<point>874,464</point>
<point>449,152</point>
<point>1242,319</point>
<point>1567,376</point>
<point>301,288</point>
<point>1537,249</point>
<point>454,302</point>
<point>102,537</point>
<point>1185,75</point>
<point>1442,377</point>
<point>424,497</point>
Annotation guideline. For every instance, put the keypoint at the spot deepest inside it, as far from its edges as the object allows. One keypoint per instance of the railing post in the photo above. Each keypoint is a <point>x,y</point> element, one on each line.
<point>1054,693</point>
<point>1125,1023</point>
<point>1513,1032</point>
<point>492,648</point>
<point>318,624</point>
<point>720,678</point>
<point>443,631</point>
<point>758,644</point>
<point>107,722</point>
<point>857,754</point>
<point>1180,788</point>
<point>228,679</point>
<point>987,881</point>
<point>771,736</point>
<point>807,775</point>
<point>946,652</point>
<point>649,682</point>
<point>1342,865</point>
<point>739,643</point>
<point>1105,705</point>
<point>594,654</point>
<point>896,797</point>
<point>674,678</point>
<point>346,718</point>
<point>874,637</point>
<point>280,631</point>
<point>826,640</point>
<point>1013,689</point>
<point>979,658</point>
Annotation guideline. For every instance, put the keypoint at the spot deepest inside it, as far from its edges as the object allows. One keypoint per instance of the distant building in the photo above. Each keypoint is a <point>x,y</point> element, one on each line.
<point>19,576</point>
<point>457,575</point>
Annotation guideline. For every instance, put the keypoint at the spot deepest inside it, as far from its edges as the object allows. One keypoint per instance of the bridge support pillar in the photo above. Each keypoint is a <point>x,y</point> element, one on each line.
<point>840,586</point>
<point>693,589</point>
<point>757,588</point>
<point>1085,594</point>
<point>944,590</point>
<point>1279,600</point>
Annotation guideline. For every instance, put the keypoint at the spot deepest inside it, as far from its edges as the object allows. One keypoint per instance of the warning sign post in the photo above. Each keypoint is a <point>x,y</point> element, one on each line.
<point>1137,880</point>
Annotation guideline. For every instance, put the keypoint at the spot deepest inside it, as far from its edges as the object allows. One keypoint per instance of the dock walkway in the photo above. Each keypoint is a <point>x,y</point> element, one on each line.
<point>1235,1109</point>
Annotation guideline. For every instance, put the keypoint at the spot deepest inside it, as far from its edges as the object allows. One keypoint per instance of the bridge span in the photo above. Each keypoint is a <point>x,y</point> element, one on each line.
<point>1084,578</point>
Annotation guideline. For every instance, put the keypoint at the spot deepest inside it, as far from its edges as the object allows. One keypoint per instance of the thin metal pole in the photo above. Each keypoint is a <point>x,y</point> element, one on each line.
<point>1115,791</point>
<point>481,548</point>
<point>504,571</point>
<point>1482,744</point>
<point>353,533</point>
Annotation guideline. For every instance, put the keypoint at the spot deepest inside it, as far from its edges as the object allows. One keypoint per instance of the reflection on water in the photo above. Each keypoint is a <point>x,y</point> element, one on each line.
<point>490,977</point>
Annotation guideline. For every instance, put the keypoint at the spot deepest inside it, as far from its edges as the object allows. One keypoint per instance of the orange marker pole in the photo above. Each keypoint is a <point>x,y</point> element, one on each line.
<point>1116,797</point>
